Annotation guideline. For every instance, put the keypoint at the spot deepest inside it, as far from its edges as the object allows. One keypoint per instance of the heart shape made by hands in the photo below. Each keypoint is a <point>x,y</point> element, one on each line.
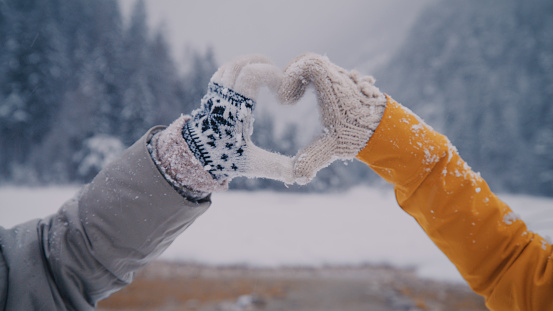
<point>350,108</point>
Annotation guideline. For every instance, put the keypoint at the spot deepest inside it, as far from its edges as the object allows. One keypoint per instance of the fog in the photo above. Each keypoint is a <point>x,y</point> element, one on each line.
<point>347,31</point>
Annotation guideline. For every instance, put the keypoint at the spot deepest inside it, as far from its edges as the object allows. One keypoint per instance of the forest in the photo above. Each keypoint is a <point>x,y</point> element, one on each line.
<point>79,83</point>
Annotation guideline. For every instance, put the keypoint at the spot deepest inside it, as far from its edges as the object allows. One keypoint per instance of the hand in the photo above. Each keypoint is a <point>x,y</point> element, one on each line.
<point>350,106</point>
<point>219,133</point>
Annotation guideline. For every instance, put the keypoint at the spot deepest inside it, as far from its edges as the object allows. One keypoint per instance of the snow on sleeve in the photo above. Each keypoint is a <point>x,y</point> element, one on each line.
<point>510,218</point>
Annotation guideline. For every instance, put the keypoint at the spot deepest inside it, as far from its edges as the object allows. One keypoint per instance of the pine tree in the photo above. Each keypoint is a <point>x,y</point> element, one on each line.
<point>90,95</point>
<point>32,78</point>
<point>202,67</point>
<point>138,106</point>
<point>164,81</point>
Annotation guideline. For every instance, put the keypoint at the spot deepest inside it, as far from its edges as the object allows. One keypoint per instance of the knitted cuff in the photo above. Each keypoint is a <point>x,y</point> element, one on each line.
<point>361,114</point>
<point>376,106</point>
<point>373,100</point>
<point>179,165</point>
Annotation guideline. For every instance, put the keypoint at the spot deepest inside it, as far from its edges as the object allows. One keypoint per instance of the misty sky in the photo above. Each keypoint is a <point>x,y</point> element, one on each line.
<point>358,34</point>
<point>347,30</point>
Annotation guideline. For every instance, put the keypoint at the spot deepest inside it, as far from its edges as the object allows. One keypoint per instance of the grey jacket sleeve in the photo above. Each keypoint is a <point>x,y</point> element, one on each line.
<point>122,220</point>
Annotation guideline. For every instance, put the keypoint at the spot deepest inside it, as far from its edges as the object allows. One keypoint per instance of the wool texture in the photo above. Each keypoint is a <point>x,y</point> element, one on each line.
<point>218,132</point>
<point>179,165</point>
<point>350,106</point>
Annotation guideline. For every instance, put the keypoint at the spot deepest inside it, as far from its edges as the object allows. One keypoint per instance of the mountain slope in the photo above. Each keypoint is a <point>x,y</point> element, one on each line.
<point>481,72</point>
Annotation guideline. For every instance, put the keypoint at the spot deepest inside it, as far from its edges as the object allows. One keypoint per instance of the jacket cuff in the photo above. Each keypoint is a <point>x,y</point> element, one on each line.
<point>402,135</point>
<point>178,164</point>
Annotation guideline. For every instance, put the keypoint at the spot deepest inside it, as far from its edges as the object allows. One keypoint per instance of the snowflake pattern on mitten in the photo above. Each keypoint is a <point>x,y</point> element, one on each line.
<point>218,130</point>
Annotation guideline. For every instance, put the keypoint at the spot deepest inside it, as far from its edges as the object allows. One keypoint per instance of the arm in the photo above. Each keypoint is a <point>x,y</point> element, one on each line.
<point>134,208</point>
<point>90,248</point>
<point>495,253</point>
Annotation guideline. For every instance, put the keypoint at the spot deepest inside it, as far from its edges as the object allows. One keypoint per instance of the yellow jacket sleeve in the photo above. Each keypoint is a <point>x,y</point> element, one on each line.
<point>492,249</point>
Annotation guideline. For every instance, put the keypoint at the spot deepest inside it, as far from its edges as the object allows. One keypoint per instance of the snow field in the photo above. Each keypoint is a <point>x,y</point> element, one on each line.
<point>362,225</point>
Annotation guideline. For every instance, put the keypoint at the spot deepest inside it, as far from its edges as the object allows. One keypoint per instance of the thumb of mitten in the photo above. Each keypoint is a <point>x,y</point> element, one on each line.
<point>303,70</point>
<point>254,76</point>
<point>312,158</point>
<point>262,163</point>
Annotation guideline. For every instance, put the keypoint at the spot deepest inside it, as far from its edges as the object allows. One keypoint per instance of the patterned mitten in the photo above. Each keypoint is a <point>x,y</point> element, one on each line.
<point>351,108</point>
<point>219,132</point>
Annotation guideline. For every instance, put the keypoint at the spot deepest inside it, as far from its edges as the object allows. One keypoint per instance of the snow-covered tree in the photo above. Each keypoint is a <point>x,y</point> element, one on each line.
<point>201,67</point>
<point>32,77</point>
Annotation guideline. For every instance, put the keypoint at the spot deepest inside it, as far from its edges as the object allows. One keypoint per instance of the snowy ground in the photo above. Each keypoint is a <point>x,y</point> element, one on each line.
<point>363,225</point>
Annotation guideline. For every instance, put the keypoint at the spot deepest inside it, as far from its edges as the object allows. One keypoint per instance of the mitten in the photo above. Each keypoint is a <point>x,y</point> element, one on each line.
<point>200,153</point>
<point>219,133</point>
<point>350,109</point>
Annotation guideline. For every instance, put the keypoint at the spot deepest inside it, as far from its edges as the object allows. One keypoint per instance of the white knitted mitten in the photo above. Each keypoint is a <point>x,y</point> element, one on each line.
<point>219,133</point>
<point>351,108</point>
